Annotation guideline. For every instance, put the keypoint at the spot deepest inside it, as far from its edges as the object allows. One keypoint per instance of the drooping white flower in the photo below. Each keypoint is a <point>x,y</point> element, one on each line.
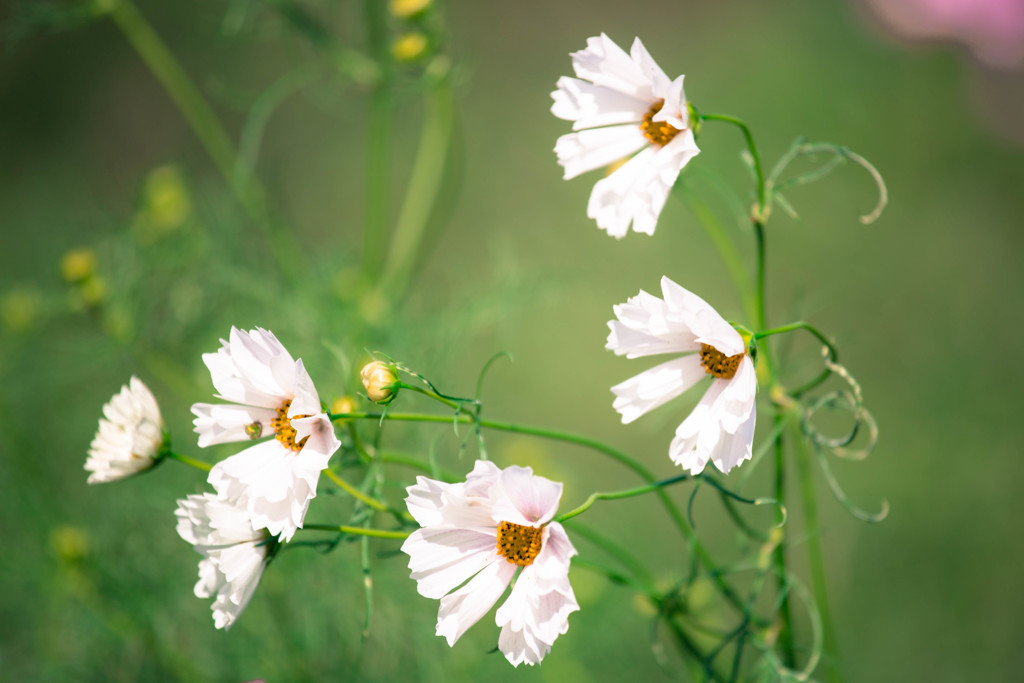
<point>480,533</point>
<point>273,397</point>
<point>721,427</point>
<point>619,104</point>
<point>234,553</point>
<point>130,437</point>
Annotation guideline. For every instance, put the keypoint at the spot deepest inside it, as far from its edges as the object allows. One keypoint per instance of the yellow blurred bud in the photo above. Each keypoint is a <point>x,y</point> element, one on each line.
<point>379,380</point>
<point>93,291</point>
<point>615,166</point>
<point>78,264</point>
<point>70,543</point>
<point>345,404</point>
<point>165,204</point>
<point>409,47</point>
<point>19,309</point>
<point>403,9</point>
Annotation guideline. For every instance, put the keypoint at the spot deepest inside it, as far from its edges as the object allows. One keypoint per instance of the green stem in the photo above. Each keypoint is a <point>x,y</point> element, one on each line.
<point>785,610</point>
<point>759,213</point>
<point>674,512</point>
<point>616,495</point>
<point>356,493</point>
<point>801,325</point>
<point>357,531</point>
<point>428,393</point>
<point>378,148</point>
<point>621,554</point>
<point>198,464</point>
<point>726,249</point>
<point>815,560</point>
<point>424,187</point>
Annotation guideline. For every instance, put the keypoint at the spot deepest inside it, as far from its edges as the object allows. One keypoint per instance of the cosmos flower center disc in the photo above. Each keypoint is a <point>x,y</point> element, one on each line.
<point>717,363</point>
<point>660,133</point>
<point>519,544</point>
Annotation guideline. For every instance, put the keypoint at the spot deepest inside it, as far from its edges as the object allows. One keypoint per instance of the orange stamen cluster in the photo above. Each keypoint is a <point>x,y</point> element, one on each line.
<point>717,363</point>
<point>283,430</point>
<point>659,133</point>
<point>519,544</point>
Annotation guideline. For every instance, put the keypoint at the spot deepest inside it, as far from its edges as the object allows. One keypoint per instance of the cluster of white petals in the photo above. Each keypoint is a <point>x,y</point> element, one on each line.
<point>272,396</point>
<point>234,553</point>
<point>721,427</point>
<point>619,104</point>
<point>130,436</point>
<point>455,557</point>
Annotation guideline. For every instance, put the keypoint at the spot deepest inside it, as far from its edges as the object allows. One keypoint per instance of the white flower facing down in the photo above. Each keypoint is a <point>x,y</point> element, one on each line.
<point>234,554</point>
<point>480,533</point>
<point>130,436</point>
<point>721,427</point>
<point>273,397</point>
<point>622,103</point>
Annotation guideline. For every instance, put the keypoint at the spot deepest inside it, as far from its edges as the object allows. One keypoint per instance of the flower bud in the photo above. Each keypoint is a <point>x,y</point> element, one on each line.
<point>403,9</point>
<point>379,379</point>
<point>409,47</point>
<point>78,265</point>
<point>345,404</point>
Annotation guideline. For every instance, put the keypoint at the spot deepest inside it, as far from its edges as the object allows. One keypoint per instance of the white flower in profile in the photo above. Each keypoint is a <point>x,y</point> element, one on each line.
<point>130,437</point>
<point>234,553</point>
<point>721,427</point>
<point>480,533</point>
<point>273,397</point>
<point>622,103</point>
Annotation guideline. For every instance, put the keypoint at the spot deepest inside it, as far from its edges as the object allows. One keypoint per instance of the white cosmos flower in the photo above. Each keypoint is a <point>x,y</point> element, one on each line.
<point>234,553</point>
<point>480,533</point>
<point>622,103</point>
<point>130,436</point>
<point>721,427</point>
<point>273,397</point>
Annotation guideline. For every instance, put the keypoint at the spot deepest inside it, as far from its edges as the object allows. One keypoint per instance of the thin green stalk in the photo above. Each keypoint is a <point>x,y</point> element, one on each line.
<point>621,554</point>
<point>357,531</point>
<point>356,493</point>
<point>424,187</point>
<point>673,510</point>
<point>172,77</point>
<point>378,148</point>
<point>816,562</point>
<point>198,464</point>
<point>785,610</point>
<point>616,495</point>
<point>761,187</point>
<point>429,393</point>
<point>726,249</point>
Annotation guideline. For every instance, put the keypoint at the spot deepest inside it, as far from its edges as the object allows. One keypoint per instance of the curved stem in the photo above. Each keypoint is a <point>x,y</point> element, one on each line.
<point>357,531</point>
<point>356,493</point>
<point>685,530</point>
<point>198,464</point>
<point>760,212</point>
<point>615,495</point>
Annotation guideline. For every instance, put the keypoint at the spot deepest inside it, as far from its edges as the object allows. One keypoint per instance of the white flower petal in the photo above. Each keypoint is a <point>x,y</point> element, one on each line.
<point>652,72</point>
<point>441,560</point>
<point>589,105</point>
<point>606,64</point>
<point>704,321</point>
<point>224,423</point>
<point>466,606</point>
<point>521,497</point>
<point>595,148</point>
<point>130,435</point>
<point>643,393</point>
<point>234,553</point>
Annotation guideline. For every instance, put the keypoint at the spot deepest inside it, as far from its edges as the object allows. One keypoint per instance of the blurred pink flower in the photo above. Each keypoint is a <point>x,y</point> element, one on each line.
<point>992,29</point>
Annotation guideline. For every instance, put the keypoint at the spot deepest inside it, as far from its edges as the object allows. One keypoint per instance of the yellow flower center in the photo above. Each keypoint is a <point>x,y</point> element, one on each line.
<point>283,430</point>
<point>659,133</point>
<point>717,363</point>
<point>519,544</point>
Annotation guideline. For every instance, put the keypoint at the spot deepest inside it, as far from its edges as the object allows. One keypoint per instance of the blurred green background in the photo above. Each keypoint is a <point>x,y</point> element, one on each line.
<point>96,585</point>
